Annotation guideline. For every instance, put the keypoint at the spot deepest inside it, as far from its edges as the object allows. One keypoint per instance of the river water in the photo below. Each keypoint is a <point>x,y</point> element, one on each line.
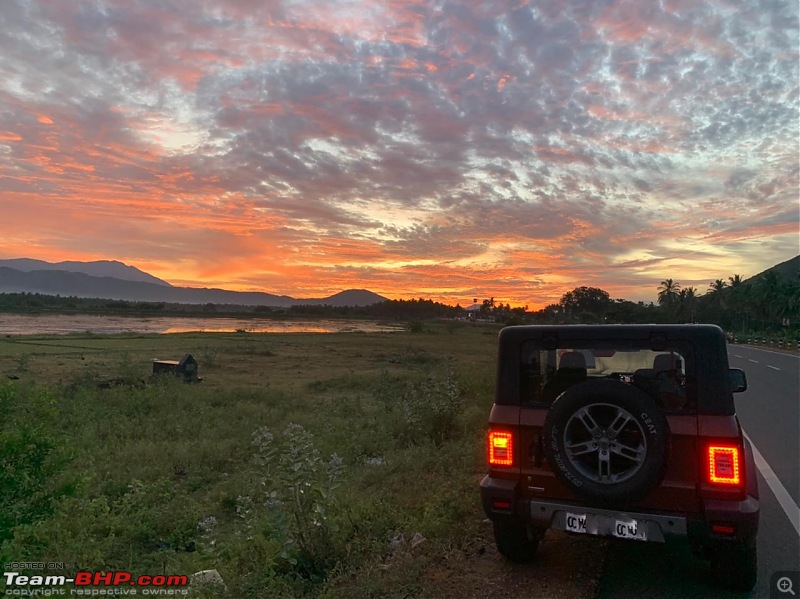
<point>64,324</point>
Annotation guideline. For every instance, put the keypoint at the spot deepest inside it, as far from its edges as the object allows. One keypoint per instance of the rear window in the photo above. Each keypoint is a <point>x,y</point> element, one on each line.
<point>666,375</point>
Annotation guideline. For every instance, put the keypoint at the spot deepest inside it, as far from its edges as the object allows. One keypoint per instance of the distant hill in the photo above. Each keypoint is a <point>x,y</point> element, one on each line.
<point>98,268</point>
<point>79,284</point>
<point>785,270</point>
<point>351,297</point>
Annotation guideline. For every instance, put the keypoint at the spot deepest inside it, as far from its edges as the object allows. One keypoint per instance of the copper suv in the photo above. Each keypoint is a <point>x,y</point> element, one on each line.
<point>625,431</point>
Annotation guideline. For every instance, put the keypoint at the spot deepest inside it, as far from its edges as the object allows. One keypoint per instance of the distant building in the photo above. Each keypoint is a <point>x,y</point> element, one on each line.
<point>473,311</point>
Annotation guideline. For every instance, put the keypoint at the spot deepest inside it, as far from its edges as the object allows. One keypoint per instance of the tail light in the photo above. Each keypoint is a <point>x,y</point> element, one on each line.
<point>727,530</point>
<point>724,465</point>
<point>501,448</point>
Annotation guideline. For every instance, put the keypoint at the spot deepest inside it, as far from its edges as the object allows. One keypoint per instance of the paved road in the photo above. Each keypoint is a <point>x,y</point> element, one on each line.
<point>770,409</point>
<point>769,412</point>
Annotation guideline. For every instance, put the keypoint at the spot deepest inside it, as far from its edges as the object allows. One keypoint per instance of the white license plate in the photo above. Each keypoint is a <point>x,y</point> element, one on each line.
<point>576,522</point>
<point>630,529</point>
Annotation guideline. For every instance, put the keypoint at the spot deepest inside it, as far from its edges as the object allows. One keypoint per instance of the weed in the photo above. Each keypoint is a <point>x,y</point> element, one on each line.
<point>426,410</point>
<point>31,459</point>
<point>297,500</point>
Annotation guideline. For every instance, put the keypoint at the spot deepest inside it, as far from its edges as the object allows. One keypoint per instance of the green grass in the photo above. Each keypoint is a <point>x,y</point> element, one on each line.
<point>369,438</point>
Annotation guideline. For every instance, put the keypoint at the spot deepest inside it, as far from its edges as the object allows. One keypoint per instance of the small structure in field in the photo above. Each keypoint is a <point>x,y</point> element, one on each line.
<point>185,368</point>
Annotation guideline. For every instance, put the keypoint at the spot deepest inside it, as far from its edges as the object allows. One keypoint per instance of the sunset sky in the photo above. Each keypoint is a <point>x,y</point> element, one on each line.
<point>448,150</point>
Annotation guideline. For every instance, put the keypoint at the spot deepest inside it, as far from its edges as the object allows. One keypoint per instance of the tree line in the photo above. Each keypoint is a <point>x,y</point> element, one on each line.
<point>390,309</point>
<point>771,303</point>
<point>767,304</point>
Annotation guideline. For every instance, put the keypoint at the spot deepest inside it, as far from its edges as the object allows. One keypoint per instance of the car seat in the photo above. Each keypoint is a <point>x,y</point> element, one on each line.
<point>571,370</point>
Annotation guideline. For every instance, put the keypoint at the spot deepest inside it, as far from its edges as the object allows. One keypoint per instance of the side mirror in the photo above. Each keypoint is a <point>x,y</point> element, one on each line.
<point>738,380</point>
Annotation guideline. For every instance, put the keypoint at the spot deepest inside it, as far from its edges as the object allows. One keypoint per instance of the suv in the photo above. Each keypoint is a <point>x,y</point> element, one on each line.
<point>625,431</point>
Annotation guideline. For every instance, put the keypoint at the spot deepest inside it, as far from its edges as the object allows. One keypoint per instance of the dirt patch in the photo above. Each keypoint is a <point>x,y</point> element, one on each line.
<point>565,567</point>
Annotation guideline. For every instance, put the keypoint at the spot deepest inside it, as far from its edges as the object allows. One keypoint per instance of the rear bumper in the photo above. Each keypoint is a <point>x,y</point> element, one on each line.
<point>600,522</point>
<point>503,503</point>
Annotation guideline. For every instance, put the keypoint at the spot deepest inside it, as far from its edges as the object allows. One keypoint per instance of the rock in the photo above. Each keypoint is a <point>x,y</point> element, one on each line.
<point>207,580</point>
<point>417,540</point>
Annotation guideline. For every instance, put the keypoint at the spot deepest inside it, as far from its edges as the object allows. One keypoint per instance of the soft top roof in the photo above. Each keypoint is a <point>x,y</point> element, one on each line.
<point>694,332</point>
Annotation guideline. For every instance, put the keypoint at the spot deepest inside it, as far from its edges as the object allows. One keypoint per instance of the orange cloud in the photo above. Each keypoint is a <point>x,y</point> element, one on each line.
<point>303,148</point>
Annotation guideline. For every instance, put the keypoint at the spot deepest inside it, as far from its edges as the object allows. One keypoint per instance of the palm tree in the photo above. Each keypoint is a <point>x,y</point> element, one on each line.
<point>668,292</point>
<point>717,301</point>
<point>768,295</point>
<point>668,296</point>
<point>488,306</point>
<point>736,281</point>
<point>717,286</point>
<point>687,302</point>
<point>736,295</point>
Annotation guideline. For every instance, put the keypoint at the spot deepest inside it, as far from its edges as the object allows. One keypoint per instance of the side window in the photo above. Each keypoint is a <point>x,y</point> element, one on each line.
<point>532,376</point>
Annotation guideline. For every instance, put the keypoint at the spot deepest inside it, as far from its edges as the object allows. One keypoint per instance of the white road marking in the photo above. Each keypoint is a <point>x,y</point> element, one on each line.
<point>777,353</point>
<point>773,367</point>
<point>753,361</point>
<point>780,492</point>
<point>738,356</point>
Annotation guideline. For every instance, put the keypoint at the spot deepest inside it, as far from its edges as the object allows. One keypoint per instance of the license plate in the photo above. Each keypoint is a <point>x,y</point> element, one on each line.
<point>629,529</point>
<point>576,522</point>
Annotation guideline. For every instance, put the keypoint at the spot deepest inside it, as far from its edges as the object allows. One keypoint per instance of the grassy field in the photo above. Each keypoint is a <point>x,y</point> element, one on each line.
<point>303,465</point>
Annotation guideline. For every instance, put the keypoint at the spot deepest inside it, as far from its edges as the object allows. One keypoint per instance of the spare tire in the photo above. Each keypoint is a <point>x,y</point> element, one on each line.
<point>607,440</point>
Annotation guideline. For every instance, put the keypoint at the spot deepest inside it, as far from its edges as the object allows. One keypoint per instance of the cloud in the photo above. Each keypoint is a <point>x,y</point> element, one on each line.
<point>448,149</point>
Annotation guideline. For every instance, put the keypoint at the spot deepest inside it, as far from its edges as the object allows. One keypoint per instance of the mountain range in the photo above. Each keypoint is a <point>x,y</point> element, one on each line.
<point>113,280</point>
<point>117,281</point>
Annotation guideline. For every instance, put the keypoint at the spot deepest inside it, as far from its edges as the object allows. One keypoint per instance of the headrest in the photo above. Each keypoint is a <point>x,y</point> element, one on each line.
<point>572,360</point>
<point>664,362</point>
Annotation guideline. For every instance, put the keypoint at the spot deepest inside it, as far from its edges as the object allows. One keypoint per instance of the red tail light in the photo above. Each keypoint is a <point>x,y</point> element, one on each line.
<point>724,465</point>
<point>501,448</point>
<point>723,529</point>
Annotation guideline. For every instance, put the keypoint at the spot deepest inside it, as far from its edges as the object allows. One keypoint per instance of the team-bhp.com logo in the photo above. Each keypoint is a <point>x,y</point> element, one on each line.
<point>94,584</point>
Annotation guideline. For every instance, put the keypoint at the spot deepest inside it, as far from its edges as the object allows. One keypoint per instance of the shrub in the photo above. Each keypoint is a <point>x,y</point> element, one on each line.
<point>426,410</point>
<point>415,326</point>
<point>294,512</point>
<point>31,459</point>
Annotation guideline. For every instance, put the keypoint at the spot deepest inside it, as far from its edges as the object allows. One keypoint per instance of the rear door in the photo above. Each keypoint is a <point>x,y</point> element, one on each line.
<point>631,362</point>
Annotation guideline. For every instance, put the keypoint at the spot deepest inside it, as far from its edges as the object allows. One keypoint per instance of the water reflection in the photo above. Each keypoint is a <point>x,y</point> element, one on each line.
<point>63,324</point>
